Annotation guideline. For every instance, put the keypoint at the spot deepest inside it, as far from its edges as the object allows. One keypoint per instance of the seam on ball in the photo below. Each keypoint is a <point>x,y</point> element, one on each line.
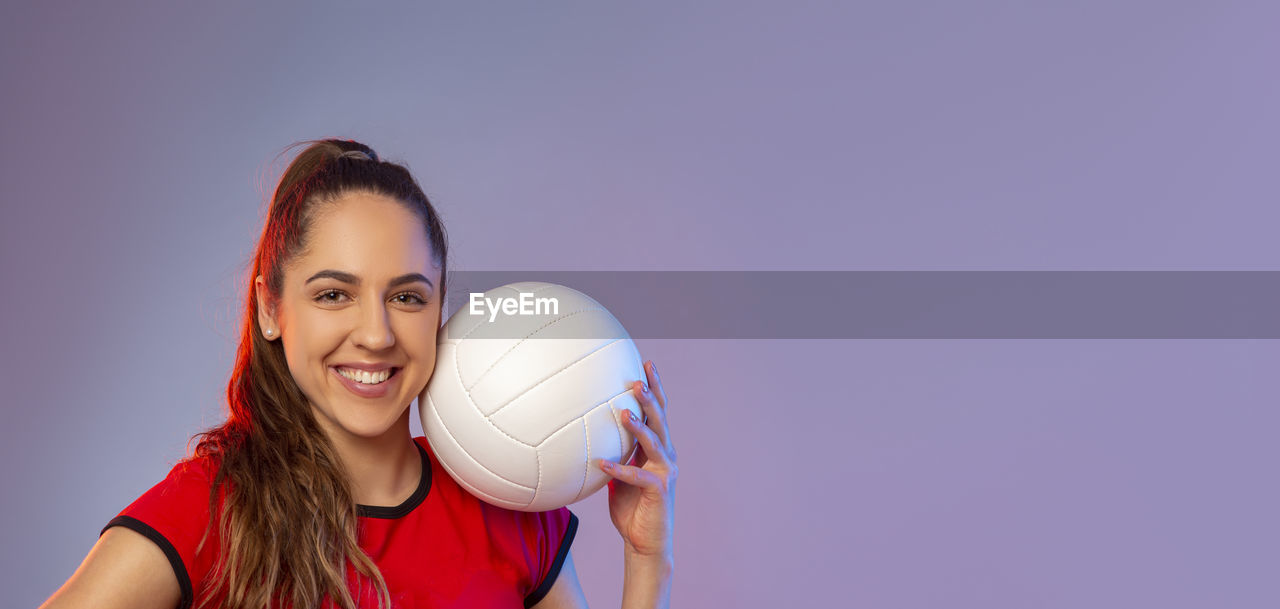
<point>586,471</point>
<point>550,376</point>
<point>454,439</point>
<point>522,341</point>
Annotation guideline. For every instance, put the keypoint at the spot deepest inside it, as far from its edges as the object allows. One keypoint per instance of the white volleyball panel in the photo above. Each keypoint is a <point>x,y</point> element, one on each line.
<point>494,378</point>
<point>524,366</point>
<point>497,451</point>
<point>541,410</point>
<point>468,472</point>
<point>477,355</point>
<point>564,468</point>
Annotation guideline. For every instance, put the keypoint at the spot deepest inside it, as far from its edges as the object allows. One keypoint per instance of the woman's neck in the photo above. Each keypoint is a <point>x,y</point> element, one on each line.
<point>383,470</point>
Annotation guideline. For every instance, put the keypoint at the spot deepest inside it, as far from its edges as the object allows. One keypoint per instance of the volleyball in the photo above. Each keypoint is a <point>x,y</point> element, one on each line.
<point>531,383</point>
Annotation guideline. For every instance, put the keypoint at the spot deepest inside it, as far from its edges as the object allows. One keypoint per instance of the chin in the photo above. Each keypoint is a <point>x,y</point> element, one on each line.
<point>369,428</point>
<point>365,432</point>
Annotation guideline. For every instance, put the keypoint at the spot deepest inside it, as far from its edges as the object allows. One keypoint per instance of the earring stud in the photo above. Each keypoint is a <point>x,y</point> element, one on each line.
<point>268,332</point>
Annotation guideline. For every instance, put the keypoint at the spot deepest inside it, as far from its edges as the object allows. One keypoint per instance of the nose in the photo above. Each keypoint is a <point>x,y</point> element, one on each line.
<point>374,330</point>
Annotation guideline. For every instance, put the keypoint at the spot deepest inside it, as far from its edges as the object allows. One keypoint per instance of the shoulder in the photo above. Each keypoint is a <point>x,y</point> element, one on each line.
<point>124,569</point>
<point>537,543</point>
<point>545,538</point>
<point>174,516</point>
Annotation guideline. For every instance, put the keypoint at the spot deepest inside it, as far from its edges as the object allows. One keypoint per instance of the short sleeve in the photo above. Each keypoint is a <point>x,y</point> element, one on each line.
<point>551,533</point>
<point>173,514</point>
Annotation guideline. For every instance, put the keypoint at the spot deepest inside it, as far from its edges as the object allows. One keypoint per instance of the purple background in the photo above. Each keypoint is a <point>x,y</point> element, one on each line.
<point>137,160</point>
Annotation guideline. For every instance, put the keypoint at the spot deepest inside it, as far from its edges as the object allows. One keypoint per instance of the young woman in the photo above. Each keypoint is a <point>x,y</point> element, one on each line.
<point>313,492</point>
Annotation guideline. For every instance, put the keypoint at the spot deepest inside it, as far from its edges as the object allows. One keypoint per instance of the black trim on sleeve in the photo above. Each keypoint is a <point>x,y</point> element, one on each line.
<point>175,559</point>
<point>545,587</point>
<point>419,494</point>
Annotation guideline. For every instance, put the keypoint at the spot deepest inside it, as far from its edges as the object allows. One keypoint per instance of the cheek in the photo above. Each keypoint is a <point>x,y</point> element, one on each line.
<point>420,343</point>
<point>310,338</point>
<point>425,344</point>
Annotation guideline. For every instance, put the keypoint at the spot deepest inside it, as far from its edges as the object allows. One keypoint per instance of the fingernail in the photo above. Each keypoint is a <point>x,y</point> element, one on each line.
<point>606,464</point>
<point>631,415</point>
<point>654,367</point>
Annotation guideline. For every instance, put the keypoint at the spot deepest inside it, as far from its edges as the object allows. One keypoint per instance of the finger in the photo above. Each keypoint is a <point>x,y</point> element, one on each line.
<point>656,384</point>
<point>654,450</point>
<point>655,387</point>
<point>635,476</point>
<point>638,456</point>
<point>655,416</point>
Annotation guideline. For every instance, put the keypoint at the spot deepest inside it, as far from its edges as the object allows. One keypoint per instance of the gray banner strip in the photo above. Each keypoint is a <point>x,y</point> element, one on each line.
<point>918,304</point>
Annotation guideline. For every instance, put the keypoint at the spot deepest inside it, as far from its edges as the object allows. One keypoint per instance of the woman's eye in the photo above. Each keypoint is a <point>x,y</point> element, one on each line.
<point>414,298</point>
<point>325,296</point>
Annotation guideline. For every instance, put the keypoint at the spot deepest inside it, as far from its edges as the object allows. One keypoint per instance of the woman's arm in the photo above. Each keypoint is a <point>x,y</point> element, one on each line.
<point>566,592</point>
<point>123,569</point>
<point>642,501</point>
<point>647,581</point>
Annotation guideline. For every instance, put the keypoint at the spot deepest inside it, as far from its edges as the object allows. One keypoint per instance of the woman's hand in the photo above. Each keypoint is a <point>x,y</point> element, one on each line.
<point>642,493</point>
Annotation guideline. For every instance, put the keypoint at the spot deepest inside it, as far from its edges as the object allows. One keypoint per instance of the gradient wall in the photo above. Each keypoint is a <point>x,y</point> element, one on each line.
<point>137,158</point>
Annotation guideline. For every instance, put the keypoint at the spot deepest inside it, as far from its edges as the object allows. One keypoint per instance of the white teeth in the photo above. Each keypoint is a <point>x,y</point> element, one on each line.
<point>364,376</point>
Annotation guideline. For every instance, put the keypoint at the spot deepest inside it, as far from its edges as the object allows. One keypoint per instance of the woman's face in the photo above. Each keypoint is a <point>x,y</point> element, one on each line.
<point>357,298</point>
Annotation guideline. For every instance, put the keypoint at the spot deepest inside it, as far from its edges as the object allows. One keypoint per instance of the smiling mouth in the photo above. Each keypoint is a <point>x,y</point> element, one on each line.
<point>365,377</point>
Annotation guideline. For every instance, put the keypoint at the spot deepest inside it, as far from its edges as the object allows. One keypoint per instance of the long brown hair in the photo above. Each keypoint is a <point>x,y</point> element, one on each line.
<point>289,524</point>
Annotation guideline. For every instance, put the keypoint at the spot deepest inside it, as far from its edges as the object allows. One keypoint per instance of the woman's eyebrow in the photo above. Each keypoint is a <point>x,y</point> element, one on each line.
<point>350,278</point>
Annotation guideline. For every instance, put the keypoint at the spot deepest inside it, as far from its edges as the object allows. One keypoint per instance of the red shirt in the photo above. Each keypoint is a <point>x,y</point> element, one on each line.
<point>442,547</point>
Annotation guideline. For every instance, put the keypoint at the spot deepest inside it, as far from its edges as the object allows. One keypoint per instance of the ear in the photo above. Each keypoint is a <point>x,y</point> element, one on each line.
<point>266,310</point>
